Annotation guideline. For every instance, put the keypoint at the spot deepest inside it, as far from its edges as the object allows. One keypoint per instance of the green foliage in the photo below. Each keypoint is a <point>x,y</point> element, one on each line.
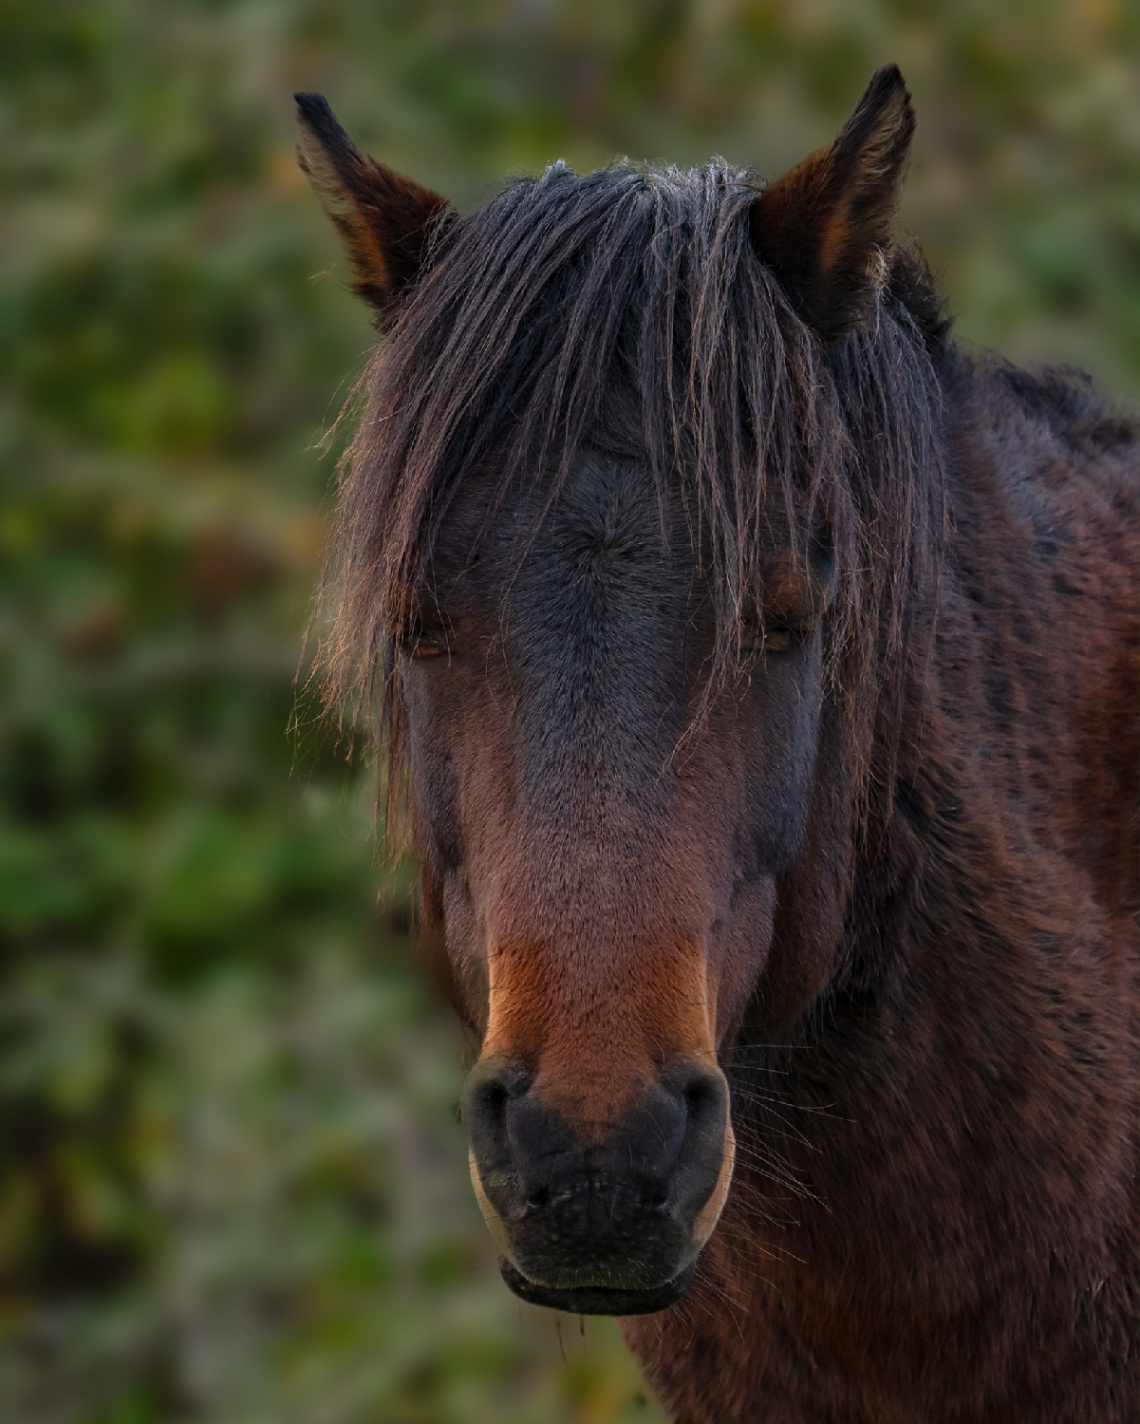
<point>232,1182</point>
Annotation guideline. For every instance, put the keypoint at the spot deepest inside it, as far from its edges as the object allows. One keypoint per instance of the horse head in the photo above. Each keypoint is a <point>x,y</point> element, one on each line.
<point>603,542</point>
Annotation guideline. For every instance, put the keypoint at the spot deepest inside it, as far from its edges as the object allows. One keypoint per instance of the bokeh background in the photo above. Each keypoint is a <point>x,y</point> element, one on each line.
<point>232,1175</point>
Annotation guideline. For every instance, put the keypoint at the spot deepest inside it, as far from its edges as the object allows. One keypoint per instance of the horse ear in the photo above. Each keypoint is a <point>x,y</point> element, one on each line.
<point>385,221</point>
<point>821,226</point>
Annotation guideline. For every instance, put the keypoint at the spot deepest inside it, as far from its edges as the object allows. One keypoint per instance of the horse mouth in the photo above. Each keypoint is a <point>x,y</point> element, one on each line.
<point>597,1300</point>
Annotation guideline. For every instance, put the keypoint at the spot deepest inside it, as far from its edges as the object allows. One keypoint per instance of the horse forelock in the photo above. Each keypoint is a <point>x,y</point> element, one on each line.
<point>629,304</point>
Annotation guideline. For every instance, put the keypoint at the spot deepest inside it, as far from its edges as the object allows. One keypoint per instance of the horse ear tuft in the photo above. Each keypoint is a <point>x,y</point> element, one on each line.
<point>385,221</point>
<point>822,226</point>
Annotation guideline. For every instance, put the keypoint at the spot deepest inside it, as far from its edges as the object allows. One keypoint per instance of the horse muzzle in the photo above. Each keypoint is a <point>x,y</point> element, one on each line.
<point>600,1222</point>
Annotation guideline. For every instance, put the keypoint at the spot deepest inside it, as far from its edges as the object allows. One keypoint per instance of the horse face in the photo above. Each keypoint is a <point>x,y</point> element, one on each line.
<point>603,826</point>
<point>602,836</point>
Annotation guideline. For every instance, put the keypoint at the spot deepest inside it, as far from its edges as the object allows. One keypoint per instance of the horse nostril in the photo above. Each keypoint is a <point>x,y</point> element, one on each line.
<point>490,1090</point>
<point>701,1094</point>
<point>702,1091</point>
<point>698,1094</point>
<point>491,1096</point>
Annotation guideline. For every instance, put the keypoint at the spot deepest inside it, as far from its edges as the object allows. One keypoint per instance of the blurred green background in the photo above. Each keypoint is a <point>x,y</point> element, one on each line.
<point>232,1177</point>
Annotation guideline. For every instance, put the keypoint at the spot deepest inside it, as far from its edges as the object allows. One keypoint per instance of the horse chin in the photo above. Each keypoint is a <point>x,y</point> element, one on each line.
<point>596,1299</point>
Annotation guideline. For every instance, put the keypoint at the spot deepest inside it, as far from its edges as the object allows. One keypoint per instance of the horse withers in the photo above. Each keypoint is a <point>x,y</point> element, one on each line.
<point>759,670</point>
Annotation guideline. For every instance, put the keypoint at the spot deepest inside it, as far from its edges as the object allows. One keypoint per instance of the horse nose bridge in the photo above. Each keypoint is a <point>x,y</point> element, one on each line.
<point>587,1062</point>
<point>594,1028</point>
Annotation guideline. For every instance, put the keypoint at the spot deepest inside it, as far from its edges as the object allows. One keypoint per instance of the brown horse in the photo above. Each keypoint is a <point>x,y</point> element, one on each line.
<point>763,672</point>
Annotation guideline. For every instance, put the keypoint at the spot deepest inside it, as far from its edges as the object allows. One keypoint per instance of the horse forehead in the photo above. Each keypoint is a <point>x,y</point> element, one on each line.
<point>608,551</point>
<point>599,504</point>
<point>607,499</point>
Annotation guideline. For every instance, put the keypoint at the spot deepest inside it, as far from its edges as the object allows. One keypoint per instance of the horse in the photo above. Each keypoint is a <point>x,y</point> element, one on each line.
<point>757,671</point>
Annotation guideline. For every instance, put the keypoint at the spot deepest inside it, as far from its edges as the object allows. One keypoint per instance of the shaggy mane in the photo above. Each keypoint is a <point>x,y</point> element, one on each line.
<point>631,300</point>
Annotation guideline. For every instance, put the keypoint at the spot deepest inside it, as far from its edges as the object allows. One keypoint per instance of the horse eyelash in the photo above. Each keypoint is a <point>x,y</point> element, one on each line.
<point>414,641</point>
<point>775,639</point>
<point>424,645</point>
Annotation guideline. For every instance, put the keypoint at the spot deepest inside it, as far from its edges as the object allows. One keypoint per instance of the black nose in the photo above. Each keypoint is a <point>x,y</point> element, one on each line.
<point>605,1214</point>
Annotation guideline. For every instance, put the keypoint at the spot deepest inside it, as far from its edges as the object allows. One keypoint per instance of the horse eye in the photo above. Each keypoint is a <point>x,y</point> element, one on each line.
<point>777,639</point>
<point>418,644</point>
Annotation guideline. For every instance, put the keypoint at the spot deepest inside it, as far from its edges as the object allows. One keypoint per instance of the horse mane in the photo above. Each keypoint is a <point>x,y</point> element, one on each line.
<point>631,301</point>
